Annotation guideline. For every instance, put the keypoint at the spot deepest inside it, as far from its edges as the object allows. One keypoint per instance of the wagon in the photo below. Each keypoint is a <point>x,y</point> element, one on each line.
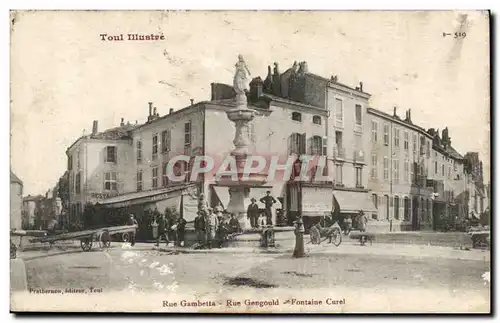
<point>87,238</point>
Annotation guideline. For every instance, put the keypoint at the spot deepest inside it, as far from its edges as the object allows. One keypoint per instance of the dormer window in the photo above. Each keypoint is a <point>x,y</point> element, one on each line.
<point>317,120</point>
<point>296,116</point>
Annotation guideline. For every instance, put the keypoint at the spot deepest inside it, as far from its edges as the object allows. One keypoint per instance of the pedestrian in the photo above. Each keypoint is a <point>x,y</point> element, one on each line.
<point>268,201</point>
<point>253,213</point>
<point>234,225</point>
<point>132,221</point>
<point>181,228</point>
<point>200,227</point>
<point>52,226</point>
<point>212,225</point>
<point>221,230</point>
<point>161,228</point>
<point>362,221</point>
<point>348,225</point>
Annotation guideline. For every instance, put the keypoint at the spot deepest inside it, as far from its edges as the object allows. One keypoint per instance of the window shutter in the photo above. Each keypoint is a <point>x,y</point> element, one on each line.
<point>303,144</point>
<point>289,143</point>
<point>116,154</point>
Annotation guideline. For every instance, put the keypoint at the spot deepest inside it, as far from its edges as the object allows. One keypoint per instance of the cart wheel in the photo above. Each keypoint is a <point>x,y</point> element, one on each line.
<point>104,239</point>
<point>125,237</point>
<point>337,237</point>
<point>86,244</point>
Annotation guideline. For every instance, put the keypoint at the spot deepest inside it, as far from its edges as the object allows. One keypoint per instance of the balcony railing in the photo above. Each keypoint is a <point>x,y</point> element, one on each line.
<point>338,153</point>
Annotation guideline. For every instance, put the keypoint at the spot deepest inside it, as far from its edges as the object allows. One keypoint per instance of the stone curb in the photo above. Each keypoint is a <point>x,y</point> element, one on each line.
<point>18,276</point>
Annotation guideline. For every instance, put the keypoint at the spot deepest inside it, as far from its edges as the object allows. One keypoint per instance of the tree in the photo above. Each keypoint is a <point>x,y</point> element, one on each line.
<point>63,190</point>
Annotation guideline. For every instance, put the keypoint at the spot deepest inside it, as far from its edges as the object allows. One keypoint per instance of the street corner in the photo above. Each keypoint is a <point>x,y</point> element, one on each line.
<point>18,277</point>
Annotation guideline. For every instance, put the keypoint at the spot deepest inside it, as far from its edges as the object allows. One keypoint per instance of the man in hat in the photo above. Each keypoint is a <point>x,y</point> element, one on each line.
<point>268,201</point>
<point>200,227</point>
<point>253,213</point>
<point>132,221</point>
<point>212,224</point>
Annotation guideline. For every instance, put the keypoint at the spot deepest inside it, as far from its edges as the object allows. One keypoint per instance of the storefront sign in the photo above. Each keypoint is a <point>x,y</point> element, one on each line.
<point>102,196</point>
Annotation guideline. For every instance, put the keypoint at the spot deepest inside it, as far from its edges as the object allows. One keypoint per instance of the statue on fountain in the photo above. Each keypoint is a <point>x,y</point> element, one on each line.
<point>241,76</point>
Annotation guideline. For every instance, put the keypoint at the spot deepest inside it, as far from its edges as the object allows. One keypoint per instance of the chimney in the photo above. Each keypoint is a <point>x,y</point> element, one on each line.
<point>256,88</point>
<point>170,111</point>
<point>122,123</point>
<point>192,102</point>
<point>94,127</point>
<point>395,112</point>
<point>212,90</point>
<point>409,115</point>
<point>154,112</point>
<point>361,86</point>
<point>150,107</point>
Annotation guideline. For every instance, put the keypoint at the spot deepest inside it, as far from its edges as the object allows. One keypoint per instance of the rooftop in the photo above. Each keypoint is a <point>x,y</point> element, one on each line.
<point>15,179</point>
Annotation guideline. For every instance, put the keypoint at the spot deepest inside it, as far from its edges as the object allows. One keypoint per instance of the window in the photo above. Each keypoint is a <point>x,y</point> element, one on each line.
<point>407,171</point>
<point>165,141</point>
<point>395,168</point>
<point>138,146</point>
<point>110,183</point>
<point>187,133</point>
<point>374,131</point>
<point>359,113</point>
<point>406,141</point>
<point>435,168</point>
<point>407,208</point>
<point>442,170</point>
<point>396,207</point>
<point>139,180</point>
<point>339,110</point>
<point>375,200</point>
<point>154,183</point>
<point>316,145</point>
<point>164,178</point>
<point>373,172</point>
<point>78,160</point>
<point>359,177</point>
<point>111,154</point>
<point>386,134</point>
<point>338,174</point>
<point>396,137</point>
<point>386,168</point>
<point>155,146</point>
<point>296,116</point>
<point>316,120</point>
<point>78,183</point>
<point>70,162</point>
<point>297,144</point>
<point>187,170</point>
<point>414,142</point>
<point>422,145</point>
<point>449,171</point>
<point>428,149</point>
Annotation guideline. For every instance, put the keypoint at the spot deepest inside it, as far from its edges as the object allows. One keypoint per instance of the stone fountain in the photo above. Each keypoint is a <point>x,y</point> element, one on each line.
<point>241,116</point>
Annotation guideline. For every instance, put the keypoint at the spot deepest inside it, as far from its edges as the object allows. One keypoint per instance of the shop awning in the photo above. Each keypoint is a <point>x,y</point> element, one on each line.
<point>222,194</point>
<point>152,196</point>
<point>353,202</point>
<point>316,201</point>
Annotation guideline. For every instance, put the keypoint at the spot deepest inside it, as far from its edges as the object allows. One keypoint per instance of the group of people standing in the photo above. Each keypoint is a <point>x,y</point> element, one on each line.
<point>171,227</point>
<point>213,226</point>
<point>260,218</point>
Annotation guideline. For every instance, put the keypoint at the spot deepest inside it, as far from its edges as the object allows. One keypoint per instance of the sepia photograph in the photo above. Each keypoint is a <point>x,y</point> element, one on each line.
<point>250,162</point>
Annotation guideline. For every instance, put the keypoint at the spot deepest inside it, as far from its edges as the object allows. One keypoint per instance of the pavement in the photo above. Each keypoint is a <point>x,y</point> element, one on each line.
<point>369,278</point>
<point>18,277</point>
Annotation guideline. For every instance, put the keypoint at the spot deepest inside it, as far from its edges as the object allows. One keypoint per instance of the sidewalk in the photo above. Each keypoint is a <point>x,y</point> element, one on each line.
<point>18,277</point>
<point>416,251</point>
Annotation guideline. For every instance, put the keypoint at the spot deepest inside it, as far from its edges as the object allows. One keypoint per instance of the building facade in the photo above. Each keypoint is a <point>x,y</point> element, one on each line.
<point>16,201</point>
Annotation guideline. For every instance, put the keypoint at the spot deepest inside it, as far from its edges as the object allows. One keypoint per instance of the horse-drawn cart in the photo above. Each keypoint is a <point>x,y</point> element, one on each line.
<point>87,237</point>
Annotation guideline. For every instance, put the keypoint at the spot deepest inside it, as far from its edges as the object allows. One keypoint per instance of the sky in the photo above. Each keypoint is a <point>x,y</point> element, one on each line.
<point>63,76</point>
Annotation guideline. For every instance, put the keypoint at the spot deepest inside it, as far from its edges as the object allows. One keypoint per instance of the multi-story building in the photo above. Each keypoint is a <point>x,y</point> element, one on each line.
<point>16,201</point>
<point>382,164</point>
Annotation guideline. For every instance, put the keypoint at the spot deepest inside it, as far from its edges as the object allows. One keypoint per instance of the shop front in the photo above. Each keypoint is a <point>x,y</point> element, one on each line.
<point>178,200</point>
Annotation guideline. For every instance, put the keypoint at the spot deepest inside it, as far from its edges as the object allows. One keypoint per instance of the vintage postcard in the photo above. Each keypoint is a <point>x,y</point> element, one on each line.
<point>250,161</point>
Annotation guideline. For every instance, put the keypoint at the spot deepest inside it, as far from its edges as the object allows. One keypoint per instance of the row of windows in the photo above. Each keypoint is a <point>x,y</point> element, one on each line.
<point>297,116</point>
<point>385,204</point>
<point>413,172</point>
<point>181,167</point>
<point>297,144</point>
<point>339,114</point>
<point>425,146</point>
<point>358,176</point>
<point>165,143</point>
